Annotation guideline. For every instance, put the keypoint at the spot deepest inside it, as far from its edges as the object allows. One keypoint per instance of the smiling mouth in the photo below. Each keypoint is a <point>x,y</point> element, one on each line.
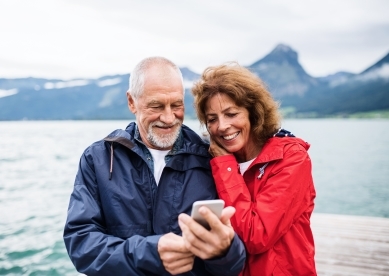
<point>231,136</point>
<point>164,127</point>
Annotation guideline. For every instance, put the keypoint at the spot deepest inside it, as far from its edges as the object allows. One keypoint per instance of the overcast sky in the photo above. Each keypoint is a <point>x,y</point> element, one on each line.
<point>93,38</point>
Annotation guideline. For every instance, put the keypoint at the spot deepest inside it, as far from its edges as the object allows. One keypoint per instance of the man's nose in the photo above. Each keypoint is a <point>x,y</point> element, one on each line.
<point>167,116</point>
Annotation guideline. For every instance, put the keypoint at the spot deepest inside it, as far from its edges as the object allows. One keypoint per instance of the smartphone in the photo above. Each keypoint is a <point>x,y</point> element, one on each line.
<point>215,205</point>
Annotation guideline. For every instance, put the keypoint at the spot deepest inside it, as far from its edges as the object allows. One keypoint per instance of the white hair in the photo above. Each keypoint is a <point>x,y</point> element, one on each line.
<point>137,77</point>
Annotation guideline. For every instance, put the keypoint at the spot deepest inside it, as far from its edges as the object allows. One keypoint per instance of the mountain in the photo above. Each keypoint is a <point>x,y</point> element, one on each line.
<point>79,99</point>
<point>347,93</point>
<point>383,63</point>
<point>337,77</point>
<point>341,93</point>
<point>103,98</point>
<point>283,73</point>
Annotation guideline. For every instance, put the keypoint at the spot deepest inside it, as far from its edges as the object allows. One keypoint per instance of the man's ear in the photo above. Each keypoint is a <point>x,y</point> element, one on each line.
<point>131,102</point>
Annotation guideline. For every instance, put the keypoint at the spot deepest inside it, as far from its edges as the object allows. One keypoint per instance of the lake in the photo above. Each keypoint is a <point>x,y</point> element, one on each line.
<point>39,160</point>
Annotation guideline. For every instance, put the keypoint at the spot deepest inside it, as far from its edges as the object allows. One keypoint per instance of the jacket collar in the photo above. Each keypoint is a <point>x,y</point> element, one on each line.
<point>187,142</point>
<point>273,149</point>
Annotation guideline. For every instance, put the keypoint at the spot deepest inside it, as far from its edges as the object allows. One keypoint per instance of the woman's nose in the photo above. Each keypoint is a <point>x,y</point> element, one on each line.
<point>223,124</point>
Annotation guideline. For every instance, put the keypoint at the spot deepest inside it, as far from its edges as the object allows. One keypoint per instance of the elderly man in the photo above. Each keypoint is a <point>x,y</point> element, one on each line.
<point>132,186</point>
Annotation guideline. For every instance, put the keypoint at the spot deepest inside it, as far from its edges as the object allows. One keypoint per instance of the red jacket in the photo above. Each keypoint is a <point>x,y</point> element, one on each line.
<point>274,202</point>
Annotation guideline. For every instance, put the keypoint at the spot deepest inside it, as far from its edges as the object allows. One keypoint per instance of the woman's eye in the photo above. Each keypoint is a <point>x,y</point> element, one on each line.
<point>231,114</point>
<point>210,120</point>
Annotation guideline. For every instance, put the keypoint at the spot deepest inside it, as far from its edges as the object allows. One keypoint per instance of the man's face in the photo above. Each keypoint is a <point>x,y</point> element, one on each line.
<point>160,109</point>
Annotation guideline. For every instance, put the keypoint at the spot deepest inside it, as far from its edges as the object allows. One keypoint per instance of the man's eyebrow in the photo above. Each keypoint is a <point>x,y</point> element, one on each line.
<point>178,101</point>
<point>162,103</point>
<point>153,102</point>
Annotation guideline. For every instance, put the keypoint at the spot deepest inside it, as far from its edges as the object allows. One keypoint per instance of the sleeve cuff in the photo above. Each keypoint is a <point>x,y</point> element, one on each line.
<point>232,262</point>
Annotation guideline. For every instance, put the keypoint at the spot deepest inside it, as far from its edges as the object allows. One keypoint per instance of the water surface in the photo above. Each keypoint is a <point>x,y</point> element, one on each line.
<point>39,160</point>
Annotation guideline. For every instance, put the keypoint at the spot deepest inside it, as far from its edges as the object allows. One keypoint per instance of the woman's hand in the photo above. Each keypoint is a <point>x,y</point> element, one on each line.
<point>215,149</point>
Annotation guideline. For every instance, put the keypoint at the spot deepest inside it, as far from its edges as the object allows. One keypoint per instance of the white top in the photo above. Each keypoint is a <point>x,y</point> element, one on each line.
<point>159,162</point>
<point>244,166</point>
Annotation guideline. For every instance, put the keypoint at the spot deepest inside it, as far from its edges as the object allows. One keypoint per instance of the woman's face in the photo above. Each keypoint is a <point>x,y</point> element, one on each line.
<point>229,126</point>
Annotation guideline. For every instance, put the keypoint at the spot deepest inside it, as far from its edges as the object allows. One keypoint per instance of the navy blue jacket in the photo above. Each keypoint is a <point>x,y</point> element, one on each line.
<point>117,213</point>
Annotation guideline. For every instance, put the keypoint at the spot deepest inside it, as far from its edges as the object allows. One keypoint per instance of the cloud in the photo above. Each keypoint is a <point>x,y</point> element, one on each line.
<point>93,38</point>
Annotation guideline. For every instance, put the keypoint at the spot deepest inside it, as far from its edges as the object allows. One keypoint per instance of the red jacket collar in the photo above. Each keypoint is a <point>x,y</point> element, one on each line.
<point>274,148</point>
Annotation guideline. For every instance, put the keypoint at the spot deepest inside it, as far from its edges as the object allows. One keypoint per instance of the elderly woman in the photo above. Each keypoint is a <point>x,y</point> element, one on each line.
<point>261,170</point>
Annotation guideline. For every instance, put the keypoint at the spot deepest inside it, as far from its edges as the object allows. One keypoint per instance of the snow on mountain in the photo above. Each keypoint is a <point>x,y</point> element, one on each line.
<point>9,92</point>
<point>65,84</point>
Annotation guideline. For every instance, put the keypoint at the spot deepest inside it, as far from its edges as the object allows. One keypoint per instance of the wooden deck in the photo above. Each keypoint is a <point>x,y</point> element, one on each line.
<point>351,245</point>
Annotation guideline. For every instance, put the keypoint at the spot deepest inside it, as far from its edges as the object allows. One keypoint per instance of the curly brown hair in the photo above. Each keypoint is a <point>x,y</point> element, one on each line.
<point>246,90</point>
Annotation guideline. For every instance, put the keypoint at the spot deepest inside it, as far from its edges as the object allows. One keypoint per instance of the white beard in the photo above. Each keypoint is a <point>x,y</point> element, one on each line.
<point>163,141</point>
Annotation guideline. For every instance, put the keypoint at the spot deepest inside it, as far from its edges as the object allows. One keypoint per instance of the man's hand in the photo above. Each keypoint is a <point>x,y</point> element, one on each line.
<point>175,257</point>
<point>208,244</point>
